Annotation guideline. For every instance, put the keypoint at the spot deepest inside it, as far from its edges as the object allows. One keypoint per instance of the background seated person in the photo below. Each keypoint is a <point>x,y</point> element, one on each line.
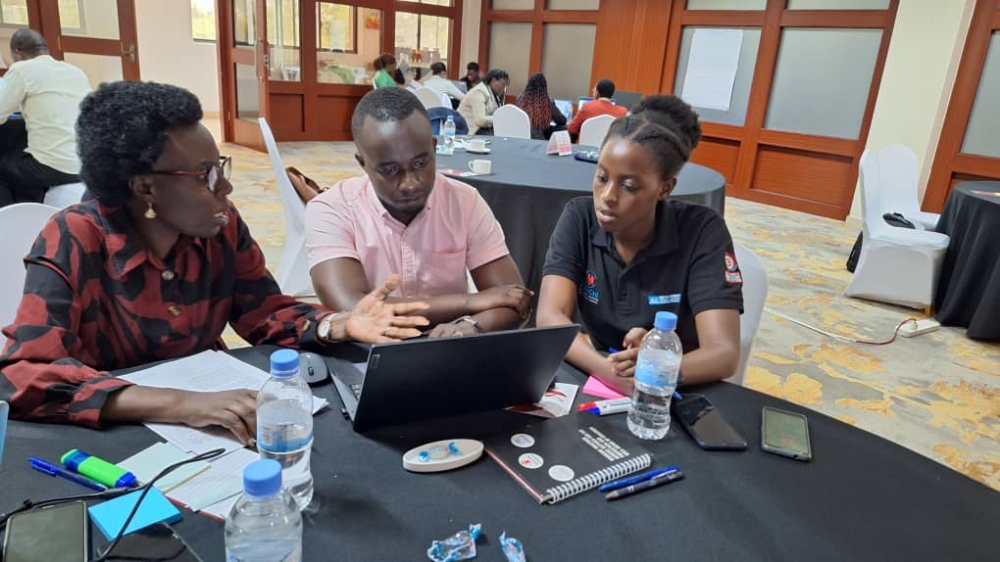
<point>154,269</point>
<point>601,105</point>
<point>402,217</point>
<point>471,78</point>
<point>40,151</point>
<point>438,81</point>
<point>481,101</point>
<point>628,252</point>
<point>545,117</point>
<point>385,71</point>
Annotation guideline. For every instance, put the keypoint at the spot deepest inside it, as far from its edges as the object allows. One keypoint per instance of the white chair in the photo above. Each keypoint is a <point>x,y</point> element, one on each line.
<point>593,130</point>
<point>754,295</point>
<point>62,196</point>
<point>20,224</point>
<point>429,98</point>
<point>293,269</point>
<point>897,186</point>
<point>897,265</point>
<point>511,121</point>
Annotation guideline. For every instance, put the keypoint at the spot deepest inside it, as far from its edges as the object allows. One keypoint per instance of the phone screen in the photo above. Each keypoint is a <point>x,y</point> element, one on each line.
<point>785,431</point>
<point>709,429</point>
<point>54,534</point>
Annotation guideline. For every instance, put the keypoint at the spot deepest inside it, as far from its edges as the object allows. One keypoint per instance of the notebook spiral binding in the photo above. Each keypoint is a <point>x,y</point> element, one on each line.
<point>595,479</point>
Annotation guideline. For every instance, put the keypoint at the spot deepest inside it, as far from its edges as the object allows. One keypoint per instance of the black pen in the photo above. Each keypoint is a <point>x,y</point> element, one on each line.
<point>641,486</point>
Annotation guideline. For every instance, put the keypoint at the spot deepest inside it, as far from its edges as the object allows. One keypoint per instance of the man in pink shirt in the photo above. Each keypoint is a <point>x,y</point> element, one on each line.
<point>402,217</point>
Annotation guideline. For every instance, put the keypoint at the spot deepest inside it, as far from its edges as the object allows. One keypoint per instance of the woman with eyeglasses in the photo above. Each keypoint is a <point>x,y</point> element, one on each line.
<point>154,268</point>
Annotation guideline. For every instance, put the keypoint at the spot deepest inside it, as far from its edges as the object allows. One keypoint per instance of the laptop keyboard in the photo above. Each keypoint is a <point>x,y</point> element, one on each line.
<point>356,389</point>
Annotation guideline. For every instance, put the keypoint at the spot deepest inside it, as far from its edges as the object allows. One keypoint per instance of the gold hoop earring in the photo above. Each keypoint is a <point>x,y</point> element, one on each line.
<point>150,213</point>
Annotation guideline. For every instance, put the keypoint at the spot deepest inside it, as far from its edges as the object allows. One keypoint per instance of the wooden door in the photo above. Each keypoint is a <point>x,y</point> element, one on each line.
<point>243,52</point>
<point>967,149</point>
<point>99,36</point>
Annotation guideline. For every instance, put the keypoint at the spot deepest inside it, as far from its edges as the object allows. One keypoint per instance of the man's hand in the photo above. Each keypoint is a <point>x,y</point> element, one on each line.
<point>458,328</point>
<point>235,410</point>
<point>375,321</point>
<point>623,362</point>
<point>517,297</point>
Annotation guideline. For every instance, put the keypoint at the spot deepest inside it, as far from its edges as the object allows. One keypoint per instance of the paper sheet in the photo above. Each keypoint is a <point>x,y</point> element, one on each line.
<point>595,387</point>
<point>223,480</point>
<point>208,371</point>
<point>558,401</point>
<point>146,464</point>
<point>711,68</point>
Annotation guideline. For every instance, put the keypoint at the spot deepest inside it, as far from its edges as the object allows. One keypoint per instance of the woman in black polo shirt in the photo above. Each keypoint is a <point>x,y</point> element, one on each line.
<point>628,252</point>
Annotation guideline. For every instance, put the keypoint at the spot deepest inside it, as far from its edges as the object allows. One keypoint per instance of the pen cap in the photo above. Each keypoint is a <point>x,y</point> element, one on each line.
<point>98,469</point>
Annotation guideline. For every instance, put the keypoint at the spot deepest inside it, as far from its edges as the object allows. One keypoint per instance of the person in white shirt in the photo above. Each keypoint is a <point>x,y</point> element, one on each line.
<point>48,93</point>
<point>439,82</point>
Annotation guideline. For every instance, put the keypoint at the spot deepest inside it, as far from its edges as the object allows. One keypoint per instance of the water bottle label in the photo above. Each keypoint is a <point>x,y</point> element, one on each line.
<point>282,438</point>
<point>653,374</point>
<point>293,556</point>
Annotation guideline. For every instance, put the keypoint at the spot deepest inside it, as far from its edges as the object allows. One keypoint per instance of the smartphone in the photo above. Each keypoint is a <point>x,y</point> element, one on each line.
<point>706,425</point>
<point>785,433</point>
<point>157,542</point>
<point>57,533</point>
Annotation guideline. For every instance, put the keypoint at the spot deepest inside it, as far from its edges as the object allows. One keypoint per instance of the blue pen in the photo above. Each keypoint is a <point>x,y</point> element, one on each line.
<point>55,470</point>
<point>636,478</point>
<point>677,395</point>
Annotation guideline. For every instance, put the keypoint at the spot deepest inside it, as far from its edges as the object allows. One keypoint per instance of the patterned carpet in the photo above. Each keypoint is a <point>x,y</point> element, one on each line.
<point>937,394</point>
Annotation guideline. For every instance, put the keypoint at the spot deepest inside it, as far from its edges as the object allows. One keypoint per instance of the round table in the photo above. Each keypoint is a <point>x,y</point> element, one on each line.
<point>968,292</point>
<point>527,190</point>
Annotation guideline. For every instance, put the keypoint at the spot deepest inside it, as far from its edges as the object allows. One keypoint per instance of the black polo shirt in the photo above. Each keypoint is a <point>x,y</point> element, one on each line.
<point>689,267</point>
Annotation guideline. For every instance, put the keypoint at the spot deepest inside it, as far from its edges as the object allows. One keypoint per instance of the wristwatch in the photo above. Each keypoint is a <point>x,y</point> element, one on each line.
<point>475,323</point>
<point>323,330</point>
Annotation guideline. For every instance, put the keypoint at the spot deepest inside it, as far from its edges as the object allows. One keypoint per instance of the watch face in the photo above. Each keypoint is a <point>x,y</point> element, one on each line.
<point>324,328</point>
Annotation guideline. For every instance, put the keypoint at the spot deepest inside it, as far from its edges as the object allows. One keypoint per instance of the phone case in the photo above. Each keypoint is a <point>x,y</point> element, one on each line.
<point>778,450</point>
<point>734,446</point>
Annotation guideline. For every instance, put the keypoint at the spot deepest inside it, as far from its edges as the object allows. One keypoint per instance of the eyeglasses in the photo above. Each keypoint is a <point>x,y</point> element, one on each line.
<point>211,176</point>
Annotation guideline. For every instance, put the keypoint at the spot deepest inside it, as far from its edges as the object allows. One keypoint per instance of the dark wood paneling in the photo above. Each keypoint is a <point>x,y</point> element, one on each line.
<point>802,175</point>
<point>335,116</point>
<point>631,44</point>
<point>719,155</point>
<point>287,114</point>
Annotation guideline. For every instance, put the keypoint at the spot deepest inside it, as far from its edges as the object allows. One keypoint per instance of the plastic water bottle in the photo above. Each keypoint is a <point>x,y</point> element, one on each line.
<point>656,372</point>
<point>285,424</point>
<point>448,134</point>
<point>265,524</point>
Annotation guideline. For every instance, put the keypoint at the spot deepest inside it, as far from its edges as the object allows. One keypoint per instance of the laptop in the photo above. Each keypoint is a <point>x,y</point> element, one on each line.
<point>627,99</point>
<point>565,107</point>
<point>430,378</point>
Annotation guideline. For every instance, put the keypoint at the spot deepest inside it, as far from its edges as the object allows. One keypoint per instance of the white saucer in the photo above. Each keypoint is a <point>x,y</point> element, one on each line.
<point>484,151</point>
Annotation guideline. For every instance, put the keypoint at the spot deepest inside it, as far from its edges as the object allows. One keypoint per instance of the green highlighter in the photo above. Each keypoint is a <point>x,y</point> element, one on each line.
<point>98,469</point>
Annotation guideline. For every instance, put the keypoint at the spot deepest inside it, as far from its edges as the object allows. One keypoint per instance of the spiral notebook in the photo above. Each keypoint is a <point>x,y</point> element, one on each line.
<point>559,458</point>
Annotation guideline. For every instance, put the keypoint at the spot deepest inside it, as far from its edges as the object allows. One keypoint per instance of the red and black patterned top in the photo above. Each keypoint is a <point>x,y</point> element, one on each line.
<point>96,300</point>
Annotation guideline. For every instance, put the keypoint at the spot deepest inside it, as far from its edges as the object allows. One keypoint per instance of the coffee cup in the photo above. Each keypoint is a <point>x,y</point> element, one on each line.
<point>477,145</point>
<point>480,166</point>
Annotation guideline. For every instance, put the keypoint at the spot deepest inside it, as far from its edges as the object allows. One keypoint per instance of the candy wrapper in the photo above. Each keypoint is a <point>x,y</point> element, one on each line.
<point>460,546</point>
<point>512,548</point>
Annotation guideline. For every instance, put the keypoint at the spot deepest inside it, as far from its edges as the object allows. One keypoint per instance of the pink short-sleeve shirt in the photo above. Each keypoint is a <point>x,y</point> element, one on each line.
<point>455,232</point>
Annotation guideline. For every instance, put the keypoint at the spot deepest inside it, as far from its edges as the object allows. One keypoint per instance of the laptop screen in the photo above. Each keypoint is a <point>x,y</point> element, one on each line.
<point>565,107</point>
<point>582,101</point>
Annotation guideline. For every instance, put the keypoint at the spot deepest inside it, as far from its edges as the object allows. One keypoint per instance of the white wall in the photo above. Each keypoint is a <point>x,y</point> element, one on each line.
<point>167,53</point>
<point>471,11</point>
<point>926,47</point>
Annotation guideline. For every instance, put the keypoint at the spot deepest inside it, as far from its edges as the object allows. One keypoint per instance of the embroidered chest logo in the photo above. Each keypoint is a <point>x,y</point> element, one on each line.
<point>733,270</point>
<point>589,289</point>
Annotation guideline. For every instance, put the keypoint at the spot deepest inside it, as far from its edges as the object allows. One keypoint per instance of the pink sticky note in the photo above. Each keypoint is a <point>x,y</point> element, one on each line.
<point>595,387</point>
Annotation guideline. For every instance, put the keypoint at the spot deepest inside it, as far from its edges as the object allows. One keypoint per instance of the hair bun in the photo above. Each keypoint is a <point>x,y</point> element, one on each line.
<point>673,113</point>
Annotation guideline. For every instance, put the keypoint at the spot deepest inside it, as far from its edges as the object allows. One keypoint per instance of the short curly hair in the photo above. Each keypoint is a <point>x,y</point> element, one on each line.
<point>383,105</point>
<point>122,130</point>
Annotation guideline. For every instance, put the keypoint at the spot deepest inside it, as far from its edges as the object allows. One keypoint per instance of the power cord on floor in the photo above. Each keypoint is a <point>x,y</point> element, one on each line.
<point>895,333</point>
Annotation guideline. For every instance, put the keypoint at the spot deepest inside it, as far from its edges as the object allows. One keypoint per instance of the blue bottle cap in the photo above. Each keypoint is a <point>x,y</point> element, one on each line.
<point>665,321</point>
<point>284,363</point>
<point>262,478</point>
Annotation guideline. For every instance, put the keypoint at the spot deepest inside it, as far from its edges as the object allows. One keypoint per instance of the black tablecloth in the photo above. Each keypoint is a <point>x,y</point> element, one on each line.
<point>862,498</point>
<point>968,292</point>
<point>528,189</point>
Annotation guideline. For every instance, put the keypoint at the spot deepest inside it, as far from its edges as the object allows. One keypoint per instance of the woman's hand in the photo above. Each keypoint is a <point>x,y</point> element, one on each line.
<point>623,362</point>
<point>235,410</point>
<point>454,329</point>
<point>375,321</point>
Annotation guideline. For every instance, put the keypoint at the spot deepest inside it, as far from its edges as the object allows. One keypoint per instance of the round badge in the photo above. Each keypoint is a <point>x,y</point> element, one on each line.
<point>522,440</point>
<point>530,460</point>
<point>561,473</point>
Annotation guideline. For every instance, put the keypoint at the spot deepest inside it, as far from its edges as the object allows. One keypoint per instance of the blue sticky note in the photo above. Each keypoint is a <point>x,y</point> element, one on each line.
<point>110,515</point>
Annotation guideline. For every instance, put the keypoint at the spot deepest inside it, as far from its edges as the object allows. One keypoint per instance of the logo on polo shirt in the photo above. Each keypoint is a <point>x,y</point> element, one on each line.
<point>657,300</point>
<point>589,292</point>
<point>733,270</point>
